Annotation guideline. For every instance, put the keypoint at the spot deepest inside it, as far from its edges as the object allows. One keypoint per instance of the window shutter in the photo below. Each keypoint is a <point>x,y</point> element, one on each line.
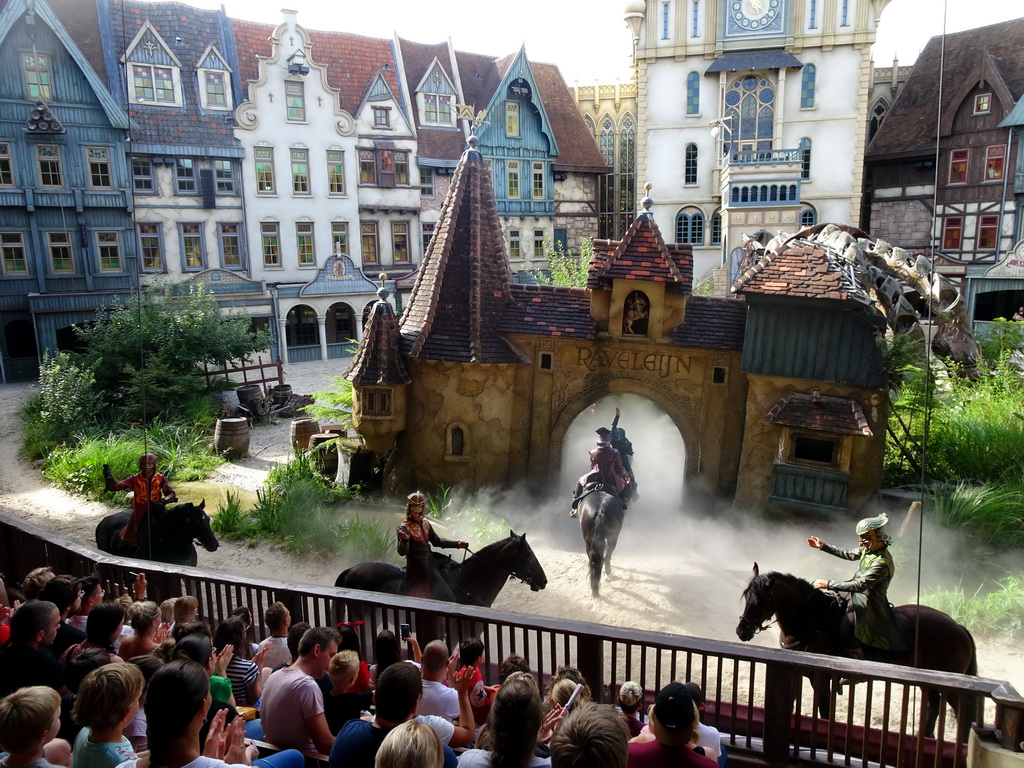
<point>207,188</point>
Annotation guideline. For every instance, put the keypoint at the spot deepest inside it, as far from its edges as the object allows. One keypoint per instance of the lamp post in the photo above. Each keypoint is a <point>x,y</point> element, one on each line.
<point>634,17</point>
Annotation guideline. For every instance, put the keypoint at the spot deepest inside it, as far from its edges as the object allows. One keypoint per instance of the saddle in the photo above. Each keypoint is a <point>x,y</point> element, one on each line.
<point>838,611</point>
<point>598,481</point>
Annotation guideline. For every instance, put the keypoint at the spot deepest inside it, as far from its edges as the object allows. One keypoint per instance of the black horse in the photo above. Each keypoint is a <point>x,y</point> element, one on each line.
<point>601,516</point>
<point>476,581</point>
<point>808,620</point>
<point>166,534</point>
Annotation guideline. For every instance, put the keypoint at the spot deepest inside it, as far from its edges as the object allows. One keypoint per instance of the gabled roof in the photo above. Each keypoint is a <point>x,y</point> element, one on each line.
<point>187,37</point>
<point>463,286</point>
<point>820,413</point>
<point>801,270</point>
<point>642,254</point>
<point>577,149</point>
<point>352,61</point>
<point>13,13</point>
<point>512,68</point>
<point>379,357</point>
<point>993,53</point>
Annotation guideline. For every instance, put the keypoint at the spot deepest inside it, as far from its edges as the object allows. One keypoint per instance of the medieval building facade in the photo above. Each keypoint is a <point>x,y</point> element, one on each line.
<point>752,117</point>
<point>965,209</point>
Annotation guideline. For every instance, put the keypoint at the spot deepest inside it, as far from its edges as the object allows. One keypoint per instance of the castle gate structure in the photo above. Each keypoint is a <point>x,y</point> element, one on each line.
<point>479,381</point>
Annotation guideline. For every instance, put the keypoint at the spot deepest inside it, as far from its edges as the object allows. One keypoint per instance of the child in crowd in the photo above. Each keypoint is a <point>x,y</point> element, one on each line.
<point>74,673</point>
<point>631,701</point>
<point>342,703</point>
<point>167,611</point>
<point>471,654</point>
<point>29,718</point>
<point>107,701</point>
<point>350,642</point>
<point>135,732</point>
<point>186,608</point>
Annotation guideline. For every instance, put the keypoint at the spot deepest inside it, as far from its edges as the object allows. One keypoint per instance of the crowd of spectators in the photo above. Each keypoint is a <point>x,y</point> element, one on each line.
<point>80,691</point>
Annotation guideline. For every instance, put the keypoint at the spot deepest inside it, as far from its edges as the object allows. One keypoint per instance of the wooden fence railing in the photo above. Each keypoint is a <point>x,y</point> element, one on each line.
<point>759,698</point>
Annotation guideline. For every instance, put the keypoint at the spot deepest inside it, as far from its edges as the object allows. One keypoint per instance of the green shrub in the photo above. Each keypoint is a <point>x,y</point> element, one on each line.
<point>67,403</point>
<point>990,513</point>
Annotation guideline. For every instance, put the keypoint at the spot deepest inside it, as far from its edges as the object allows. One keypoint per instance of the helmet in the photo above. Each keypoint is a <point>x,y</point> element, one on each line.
<point>876,524</point>
<point>147,459</point>
<point>417,497</point>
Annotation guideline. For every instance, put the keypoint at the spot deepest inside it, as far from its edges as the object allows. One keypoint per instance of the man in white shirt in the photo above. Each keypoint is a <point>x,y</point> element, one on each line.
<point>438,698</point>
<point>292,706</point>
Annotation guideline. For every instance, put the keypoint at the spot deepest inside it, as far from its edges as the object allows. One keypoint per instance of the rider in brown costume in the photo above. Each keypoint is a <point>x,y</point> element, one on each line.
<point>415,535</point>
<point>603,460</point>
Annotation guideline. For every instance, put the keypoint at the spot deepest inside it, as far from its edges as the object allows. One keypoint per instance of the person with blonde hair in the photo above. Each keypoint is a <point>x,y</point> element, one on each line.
<point>342,703</point>
<point>144,618</point>
<point>410,745</point>
<point>631,701</point>
<point>167,611</point>
<point>107,701</point>
<point>185,609</point>
<point>29,719</point>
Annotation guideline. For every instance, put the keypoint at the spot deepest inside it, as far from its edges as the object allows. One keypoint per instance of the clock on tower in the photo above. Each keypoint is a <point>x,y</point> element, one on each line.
<point>754,18</point>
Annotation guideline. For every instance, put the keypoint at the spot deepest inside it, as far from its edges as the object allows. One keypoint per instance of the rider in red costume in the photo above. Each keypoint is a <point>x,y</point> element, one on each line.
<point>605,462</point>
<point>415,535</point>
<point>149,487</point>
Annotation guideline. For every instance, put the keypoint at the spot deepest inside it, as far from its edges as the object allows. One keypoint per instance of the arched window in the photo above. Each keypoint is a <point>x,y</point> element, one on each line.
<point>693,94</point>
<point>455,447</point>
<point>750,112</point>
<point>690,226</point>
<point>607,141</point>
<point>877,118</point>
<point>690,165</point>
<point>716,228</point>
<point>805,158</point>
<point>636,314</point>
<point>458,441</point>
<point>590,126</point>
<point>807,87</point>
<point>627,173</point>
<point>808,217</point>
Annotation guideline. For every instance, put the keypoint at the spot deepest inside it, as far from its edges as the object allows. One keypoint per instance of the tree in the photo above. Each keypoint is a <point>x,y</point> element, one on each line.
<point>148,354</point>
<point>565,267</point>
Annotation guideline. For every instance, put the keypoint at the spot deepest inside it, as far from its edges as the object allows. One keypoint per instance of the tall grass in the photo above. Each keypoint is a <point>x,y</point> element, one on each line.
<point>992,513</point>
<point>181,452</point>
<point>997,613</point>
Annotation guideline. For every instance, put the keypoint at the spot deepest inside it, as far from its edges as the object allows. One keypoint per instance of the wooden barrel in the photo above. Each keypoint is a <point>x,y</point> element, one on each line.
<point>248,392</point>
<point>335,429</point>
<point>301,431</point>
<point>231,437</point>
<point>327,457</point>
<point>279,395</point>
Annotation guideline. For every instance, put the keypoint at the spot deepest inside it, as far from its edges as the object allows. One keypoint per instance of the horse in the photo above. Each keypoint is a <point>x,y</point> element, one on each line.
<point>476,581</point>
<point>808,620</point>
<point>601,515</point>
<point>170,536</point>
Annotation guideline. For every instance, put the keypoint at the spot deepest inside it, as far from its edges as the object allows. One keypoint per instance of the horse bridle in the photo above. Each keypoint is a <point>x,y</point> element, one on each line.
<point>511,572</point>
<point>778,616</point>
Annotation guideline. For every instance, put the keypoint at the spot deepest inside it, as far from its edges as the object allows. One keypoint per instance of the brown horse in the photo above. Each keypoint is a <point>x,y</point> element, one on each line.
<point>601,516</point>
<point>808,620</point>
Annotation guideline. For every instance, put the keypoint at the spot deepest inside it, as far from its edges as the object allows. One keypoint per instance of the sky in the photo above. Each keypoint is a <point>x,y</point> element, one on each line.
<point>587,39</point>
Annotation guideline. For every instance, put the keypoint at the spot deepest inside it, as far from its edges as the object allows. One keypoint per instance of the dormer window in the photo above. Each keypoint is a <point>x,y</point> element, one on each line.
<point>36,69</point>
<point>214,77</point>
<point>436,97</point>
<point>983,103</point>
<point>154,72</point>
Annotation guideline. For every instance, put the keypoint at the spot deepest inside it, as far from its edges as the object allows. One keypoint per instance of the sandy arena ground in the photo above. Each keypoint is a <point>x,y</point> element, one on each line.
<point>681,575</point>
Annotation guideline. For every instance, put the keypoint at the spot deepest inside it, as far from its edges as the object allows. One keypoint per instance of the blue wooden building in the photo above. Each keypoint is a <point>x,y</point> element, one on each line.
<point>66,231</point>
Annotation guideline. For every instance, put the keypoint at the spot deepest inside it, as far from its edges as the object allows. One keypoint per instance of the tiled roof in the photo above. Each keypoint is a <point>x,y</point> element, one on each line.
<point>576,145</point>
<point>802,270</point>
<point>479,76</point>
<point>417,58</point>
<point>642,254</point>
<point>464,283</point>
<point>712,323</point>
<point>820,413</point>
<point>993,53</point>
<point>188,31</point>
<point>549,311</point>
<point>440,144</point>
<point>352,61</point>
<point>379,357</point>
<point>742,61</point>
<point>82,22</point>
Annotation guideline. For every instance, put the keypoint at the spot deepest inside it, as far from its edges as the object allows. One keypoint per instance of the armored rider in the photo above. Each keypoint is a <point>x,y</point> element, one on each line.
<point>869,619</point>
<point>415,535</point>
<point>621,444</point>
<point>605,462</point>
<point>149,488</point>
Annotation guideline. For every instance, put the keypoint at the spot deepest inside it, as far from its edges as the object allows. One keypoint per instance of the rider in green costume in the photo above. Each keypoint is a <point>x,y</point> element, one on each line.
<point>869,614</point>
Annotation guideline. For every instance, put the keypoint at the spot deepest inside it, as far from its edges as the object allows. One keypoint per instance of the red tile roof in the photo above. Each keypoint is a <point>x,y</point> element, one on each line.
<point>802,270</point>
<point>379,357</point>
<point>464,283</point>
<point>577,148</point>
<point>642,254</point>
<point>549,310</point>
<point>820,413</point>
<point>352,61</point>
<point>82,23</point>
